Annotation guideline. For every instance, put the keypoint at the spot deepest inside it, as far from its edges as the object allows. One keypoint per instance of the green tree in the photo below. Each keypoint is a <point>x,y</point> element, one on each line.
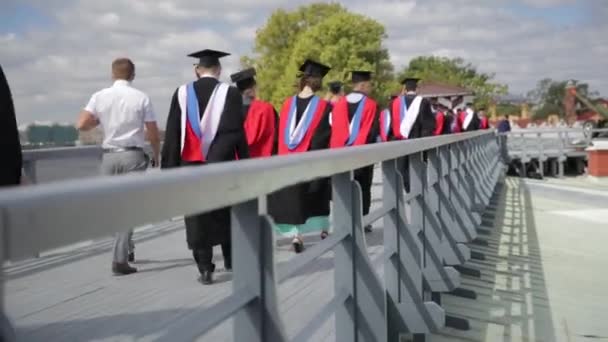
<point>324,32</point>
<point>508,109</point>
<point>456,72</point>
<point>548,97</point>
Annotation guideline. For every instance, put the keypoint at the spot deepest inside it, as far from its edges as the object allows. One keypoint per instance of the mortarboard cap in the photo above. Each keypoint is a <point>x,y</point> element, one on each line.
<point>209,58</point>
<point>335,86</point>
<point>312,68</point>
<point>361,76</point>
<point>410,82</point>
<point>244,79</point>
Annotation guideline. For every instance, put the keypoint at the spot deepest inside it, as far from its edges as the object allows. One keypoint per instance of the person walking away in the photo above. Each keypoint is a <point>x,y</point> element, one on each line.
<point>484,122</point>
<point>212,131</point>
<point>385,121</point>
<point>356,122</point>
<point>439,117</point>
<point>12,161</point>
<point>303,126</point>
<point>336,92</point>
<point>261,119</point>
<point>126,115</point>
<point>411,118</point>
<point>468,120</point>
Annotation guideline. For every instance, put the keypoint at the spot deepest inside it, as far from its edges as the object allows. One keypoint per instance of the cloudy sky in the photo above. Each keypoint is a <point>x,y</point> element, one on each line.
<point>56,53</point>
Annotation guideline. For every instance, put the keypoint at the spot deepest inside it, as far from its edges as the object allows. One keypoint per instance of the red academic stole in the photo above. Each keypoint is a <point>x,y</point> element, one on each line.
<point>439,121</point>
<point>343,133</point>
<point>286,120</point>
<point>259,129</point>
<point>484,122</point>
<point>197,134</point>
<point>401,115</point>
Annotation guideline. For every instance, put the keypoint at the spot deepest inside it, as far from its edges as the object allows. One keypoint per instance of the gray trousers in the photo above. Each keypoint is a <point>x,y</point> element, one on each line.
<point>115,164</point>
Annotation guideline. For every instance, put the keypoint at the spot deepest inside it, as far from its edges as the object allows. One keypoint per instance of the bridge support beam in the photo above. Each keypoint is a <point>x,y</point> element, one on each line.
<point>253,264</point>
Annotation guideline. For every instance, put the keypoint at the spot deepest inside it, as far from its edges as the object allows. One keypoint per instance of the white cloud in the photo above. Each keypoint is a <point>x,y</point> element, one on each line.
<point>54,70</point>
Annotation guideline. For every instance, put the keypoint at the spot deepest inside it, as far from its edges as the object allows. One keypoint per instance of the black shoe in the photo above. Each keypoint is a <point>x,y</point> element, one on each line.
<point>298,246</point>
<point>228,267</point>
<point>368,229</point>
<point>206,278</point>
<point>132,257</point>
<point>122,269</point>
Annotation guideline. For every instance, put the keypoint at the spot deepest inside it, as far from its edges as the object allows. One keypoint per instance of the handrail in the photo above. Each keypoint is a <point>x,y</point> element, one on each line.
<point>447,177</point>
<point>62,152</point>
<point>80,207</point>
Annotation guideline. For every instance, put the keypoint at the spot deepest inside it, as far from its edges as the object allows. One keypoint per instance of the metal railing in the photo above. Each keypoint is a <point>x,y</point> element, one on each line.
<point>549,145</point>
<point>450,178</point>
<point>31,157</point>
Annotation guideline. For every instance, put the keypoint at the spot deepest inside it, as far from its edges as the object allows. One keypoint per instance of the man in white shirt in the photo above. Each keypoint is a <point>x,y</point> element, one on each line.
<point>126,115</point>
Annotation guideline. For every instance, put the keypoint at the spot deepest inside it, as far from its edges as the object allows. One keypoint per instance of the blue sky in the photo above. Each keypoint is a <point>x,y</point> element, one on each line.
<point>56,53</point>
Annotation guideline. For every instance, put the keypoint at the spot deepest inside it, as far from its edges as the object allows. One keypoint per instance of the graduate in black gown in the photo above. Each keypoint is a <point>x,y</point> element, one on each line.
<point>303,207</point>
<point>355,121</point>
<point>10,172</point>
<point>411,118</point>
<point>198,144</point>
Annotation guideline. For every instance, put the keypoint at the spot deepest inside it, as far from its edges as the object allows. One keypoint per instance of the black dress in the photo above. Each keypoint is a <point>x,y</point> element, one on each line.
<point>211,228</point>
<point>295,204</point>
<point>10,172</point>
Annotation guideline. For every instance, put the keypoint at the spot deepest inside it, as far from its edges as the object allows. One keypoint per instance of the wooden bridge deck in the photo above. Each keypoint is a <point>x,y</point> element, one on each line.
<point>70,295</point>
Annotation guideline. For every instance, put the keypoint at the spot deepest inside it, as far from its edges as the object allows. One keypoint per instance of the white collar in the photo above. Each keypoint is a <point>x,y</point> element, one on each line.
<point>121,83</point>
<point>207,76</point>
<point>410,93</point>
<point>354,97</point>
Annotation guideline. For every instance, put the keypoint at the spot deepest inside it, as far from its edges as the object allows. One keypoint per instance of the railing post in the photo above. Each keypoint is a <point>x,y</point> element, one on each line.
<point>458,253</point>
<point>392,197</point>
<point>541,155</point>
<point>253,265</point>
<point>407,310</point>
<point>561,158</point>
<point>344,274</point>
<point>439,277</point>
<point>7,333</point>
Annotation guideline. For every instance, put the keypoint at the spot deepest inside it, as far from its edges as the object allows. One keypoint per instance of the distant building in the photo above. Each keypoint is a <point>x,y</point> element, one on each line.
<point>48,134</point>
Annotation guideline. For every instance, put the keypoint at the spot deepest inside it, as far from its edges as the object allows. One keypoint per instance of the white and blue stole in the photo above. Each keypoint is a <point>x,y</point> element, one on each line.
<point>204,128</point>
<point>355,123</point>
<point>295,133</point>
<point>386,121</point>
<point>408,114</point>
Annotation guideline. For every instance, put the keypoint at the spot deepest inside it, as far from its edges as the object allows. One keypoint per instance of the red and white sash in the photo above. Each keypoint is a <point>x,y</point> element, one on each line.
<point>211,117</point>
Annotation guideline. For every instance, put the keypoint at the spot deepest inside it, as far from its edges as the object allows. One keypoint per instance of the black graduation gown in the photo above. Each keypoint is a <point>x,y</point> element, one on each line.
<point>10,171</point>
<point>475,123</point>
<point>365,175</point>
<point>295,204</point>
<point>211,228</point>
<point>424,126</point>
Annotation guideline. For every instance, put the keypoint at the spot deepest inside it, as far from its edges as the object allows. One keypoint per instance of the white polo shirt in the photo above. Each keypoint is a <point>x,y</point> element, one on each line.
<point>122,111</point>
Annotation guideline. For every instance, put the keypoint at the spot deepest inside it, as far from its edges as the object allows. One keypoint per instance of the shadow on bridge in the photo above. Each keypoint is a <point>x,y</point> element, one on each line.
<point>512,302</point>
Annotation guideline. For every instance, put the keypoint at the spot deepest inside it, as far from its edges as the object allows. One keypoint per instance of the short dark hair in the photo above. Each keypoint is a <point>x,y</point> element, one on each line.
<point>123,68</point>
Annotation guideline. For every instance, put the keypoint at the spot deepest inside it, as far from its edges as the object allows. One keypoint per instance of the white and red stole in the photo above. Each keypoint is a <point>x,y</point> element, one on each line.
<point>198,133</point>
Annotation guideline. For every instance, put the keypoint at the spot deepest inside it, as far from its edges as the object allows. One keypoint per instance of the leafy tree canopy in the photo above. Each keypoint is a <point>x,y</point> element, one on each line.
<point>327,33</point>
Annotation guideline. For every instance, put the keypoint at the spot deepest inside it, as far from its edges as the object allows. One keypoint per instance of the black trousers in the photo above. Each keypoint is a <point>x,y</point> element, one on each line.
<point>204,257</point>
